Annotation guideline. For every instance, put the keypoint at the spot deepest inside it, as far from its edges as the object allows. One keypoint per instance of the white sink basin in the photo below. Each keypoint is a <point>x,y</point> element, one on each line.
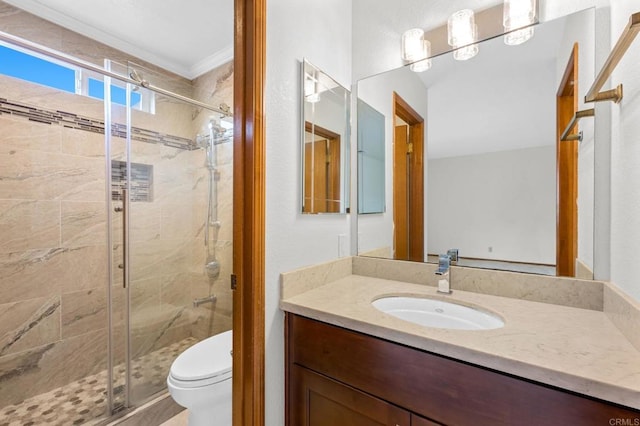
<point>437,313</point>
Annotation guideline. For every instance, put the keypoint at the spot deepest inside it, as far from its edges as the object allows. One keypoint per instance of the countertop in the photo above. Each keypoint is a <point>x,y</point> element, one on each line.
<point>571,348</point>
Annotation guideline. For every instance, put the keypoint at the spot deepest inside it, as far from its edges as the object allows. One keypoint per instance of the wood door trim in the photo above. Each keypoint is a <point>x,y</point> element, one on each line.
<point>415,209</point>
<point>320,131</point>
<point>249,212</point>
<point>403,110</point>
<point>566,171</point>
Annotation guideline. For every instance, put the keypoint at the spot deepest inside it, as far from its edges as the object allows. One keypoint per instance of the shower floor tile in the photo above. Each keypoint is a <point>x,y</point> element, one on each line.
<point>84,401</point>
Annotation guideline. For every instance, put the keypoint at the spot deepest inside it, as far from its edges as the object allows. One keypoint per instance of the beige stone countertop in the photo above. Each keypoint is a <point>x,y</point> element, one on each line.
<point>570,348</point>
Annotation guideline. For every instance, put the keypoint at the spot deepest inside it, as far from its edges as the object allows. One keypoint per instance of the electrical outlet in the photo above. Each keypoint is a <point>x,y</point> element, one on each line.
<point>490,249</point>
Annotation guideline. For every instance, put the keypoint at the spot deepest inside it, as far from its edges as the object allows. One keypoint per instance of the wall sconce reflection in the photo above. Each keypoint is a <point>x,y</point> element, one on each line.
<point>463,33</point>
<point>518,14</point>
<point>311,91</point>
<point>416,49</point>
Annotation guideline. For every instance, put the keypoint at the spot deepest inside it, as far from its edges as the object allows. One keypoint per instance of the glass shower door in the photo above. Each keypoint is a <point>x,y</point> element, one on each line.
<point>165,231</point>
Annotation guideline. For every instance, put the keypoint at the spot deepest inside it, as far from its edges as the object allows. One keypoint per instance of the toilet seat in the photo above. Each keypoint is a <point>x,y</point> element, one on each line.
<point>204,363</point>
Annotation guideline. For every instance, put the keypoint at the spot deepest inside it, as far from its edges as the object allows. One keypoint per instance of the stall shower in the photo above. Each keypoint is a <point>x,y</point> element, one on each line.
<point>107,191</point>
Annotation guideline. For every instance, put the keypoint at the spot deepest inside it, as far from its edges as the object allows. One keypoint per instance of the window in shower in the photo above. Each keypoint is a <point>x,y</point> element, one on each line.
<point>27,66</point>
<point>141,98</point>
<point>35,68</point>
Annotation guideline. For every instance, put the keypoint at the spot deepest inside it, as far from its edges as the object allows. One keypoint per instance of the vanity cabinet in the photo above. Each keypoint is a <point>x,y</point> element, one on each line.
<point>336,376</point>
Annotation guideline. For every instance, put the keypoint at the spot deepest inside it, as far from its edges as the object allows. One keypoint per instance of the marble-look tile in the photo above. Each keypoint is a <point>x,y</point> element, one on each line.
<point>215,87</point>
<point>176,220</point>
<point>29,324</point>
<point>152,329</point>
<point>145,299</point>
<point>29,224</point>
<point>83,223</point>
<point>158,258</point>
<point>83,143</point>
<point>304,279</point>
<point>144,223</point>
<point>38,370</point>
<point>210,324</point>
<point>20,134</point>
<point>624,312</point>
<point>84,311</point>
<point>39,273</point>
<point>46,176</point>
<point>175,289</point>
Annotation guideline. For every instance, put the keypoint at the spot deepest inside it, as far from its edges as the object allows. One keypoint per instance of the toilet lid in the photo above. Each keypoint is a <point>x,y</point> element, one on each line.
<point>206,359</point>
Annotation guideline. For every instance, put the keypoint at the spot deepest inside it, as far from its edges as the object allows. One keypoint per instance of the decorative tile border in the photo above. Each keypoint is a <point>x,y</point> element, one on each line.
<point>74,121</point>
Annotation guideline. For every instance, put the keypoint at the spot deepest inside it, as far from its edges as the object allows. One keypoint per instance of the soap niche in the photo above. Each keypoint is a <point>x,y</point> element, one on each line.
<point>141,181</point>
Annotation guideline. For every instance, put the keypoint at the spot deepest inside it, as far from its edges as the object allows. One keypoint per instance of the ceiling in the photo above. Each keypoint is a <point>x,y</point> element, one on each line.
<point>185,37</point>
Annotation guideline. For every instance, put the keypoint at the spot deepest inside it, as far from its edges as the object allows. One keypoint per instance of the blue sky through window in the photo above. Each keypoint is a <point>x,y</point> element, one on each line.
<point>118,94</point>
<point>26,67</point>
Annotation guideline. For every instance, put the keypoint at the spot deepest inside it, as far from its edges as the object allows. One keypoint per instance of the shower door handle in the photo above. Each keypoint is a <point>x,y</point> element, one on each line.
<point>125,242</point>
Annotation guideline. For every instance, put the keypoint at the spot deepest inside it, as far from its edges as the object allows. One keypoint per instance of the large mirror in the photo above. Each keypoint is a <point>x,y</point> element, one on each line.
<point>474,159</point>
<point>324,143</point>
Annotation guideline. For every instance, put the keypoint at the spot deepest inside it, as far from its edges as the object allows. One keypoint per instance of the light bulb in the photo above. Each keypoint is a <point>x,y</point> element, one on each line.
<point>518,14</point>
<point>463,34</point>
<point>414,46</point>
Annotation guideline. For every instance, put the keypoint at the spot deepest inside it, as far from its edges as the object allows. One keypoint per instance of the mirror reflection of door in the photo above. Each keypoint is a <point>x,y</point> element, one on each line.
<point>321,170</point>
<point>567,171</point>
<point>408,182</point>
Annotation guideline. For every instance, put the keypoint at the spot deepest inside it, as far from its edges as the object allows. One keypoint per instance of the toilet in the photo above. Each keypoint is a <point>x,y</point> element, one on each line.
<point>200,381</point>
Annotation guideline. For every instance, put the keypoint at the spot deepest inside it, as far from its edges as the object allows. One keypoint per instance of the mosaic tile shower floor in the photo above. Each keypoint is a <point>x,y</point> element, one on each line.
<point>84,401</point>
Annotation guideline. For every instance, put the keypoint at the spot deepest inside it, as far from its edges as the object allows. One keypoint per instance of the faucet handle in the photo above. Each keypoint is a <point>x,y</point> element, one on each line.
<point>444,261</point>
<point>453,255</point>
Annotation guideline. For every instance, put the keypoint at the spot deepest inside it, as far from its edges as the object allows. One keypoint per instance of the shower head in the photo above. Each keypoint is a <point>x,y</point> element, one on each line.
<point>213,269</point>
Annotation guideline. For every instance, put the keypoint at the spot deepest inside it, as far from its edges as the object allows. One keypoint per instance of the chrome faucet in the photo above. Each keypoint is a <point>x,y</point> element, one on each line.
<point>444,270</point>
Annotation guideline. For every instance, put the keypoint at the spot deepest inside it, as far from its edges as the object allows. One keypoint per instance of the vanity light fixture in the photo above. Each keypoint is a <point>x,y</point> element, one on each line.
<point>416,49</point>
<point>518,14</point>
<point>463,34</point>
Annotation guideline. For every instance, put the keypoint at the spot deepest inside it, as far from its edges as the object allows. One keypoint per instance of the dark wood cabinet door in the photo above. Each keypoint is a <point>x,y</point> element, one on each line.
<point>319,401</point>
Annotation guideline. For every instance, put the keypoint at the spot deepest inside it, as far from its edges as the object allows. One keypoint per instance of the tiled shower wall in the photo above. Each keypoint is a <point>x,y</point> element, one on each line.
<point>53,254</point>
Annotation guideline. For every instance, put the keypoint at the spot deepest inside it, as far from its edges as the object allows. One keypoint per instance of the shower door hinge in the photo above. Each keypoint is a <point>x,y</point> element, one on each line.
<point>234,282</point>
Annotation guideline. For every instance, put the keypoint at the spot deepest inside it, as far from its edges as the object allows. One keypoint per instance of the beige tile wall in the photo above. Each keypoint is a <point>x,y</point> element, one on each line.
<point>53,239</point>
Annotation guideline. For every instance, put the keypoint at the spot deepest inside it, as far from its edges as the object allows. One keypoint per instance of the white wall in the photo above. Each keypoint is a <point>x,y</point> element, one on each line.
<point>376,230</point>
<point>625,159</point>
<point>504,200</point>
<point>319,30</point>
